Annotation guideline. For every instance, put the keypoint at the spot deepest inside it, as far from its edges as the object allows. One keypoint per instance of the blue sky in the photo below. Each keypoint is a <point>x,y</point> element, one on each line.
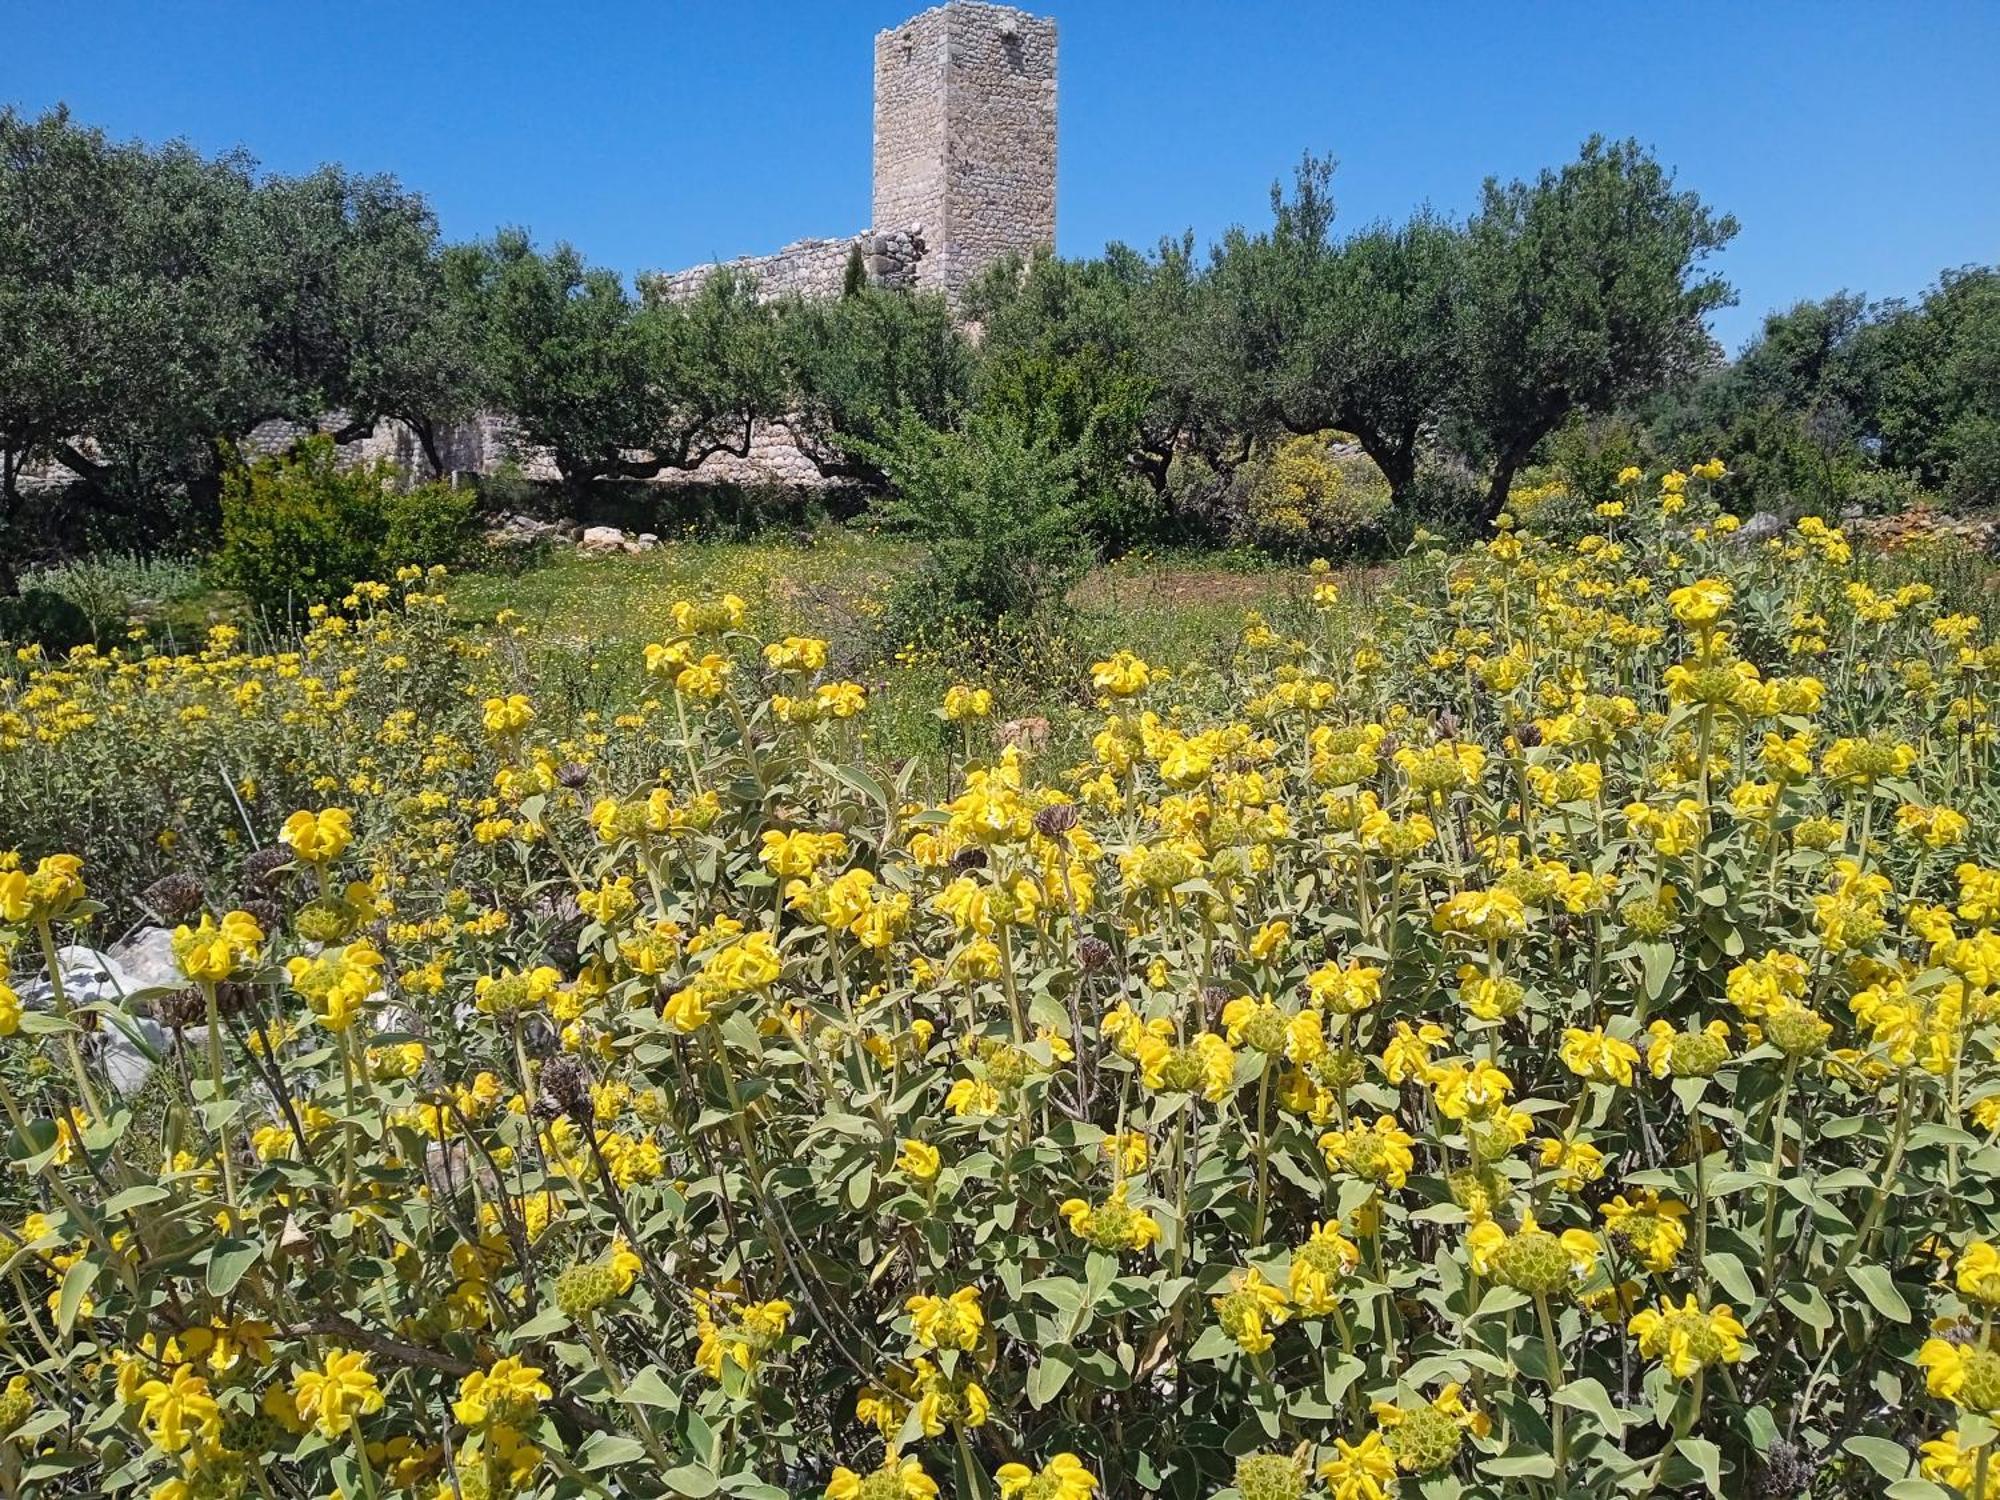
<point>1857,143</point>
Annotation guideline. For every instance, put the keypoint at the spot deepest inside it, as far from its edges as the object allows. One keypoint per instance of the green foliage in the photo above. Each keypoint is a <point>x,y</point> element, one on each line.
<point>856,366</point>
<point>998,507</point>
<point>1938,368</point>
<point>1303,499</point>
<point>429,526</point>
<point>616,387</point>
<point>1840,403</point>
<point>1358,335</point>
<point>1790,411</point>
<point>1436,343</point>
<point>1149,324</point>
<point>1584,291</point>
<point>302,528</point>
<point>110,588</point>
<point>1088,407</point>
<point>159,305</point>
<point>42,617</point>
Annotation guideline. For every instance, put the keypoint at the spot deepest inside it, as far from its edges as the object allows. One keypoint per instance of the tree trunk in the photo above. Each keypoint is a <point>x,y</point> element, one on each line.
<point>72,458</point>
<point>1396,457</point>
<point>1496,492</point>
<point>11,460</point>
<point>579,479</point>
<point>427,439</point>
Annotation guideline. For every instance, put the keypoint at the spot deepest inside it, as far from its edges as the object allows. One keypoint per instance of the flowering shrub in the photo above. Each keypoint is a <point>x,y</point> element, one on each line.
<point>1542,1044</point>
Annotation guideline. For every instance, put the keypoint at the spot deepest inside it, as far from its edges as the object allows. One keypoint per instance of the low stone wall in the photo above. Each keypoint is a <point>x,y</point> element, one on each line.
<point>806,268</point>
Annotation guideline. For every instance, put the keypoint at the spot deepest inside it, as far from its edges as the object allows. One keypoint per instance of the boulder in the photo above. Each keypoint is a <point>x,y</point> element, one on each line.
<point>146,956</point>
<point>600,541</point>
<point>134,1047</point>
<point>139,967</point>
<point>1761,527</point>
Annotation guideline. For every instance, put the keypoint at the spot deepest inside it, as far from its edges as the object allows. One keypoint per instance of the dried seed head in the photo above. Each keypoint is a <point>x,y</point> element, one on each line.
<point>269,869</point>
<point>1786,1472</point>
<point>173,898</point>
<point>181,1009</point>
<point>566,1085</point>
<point>1055,820</point>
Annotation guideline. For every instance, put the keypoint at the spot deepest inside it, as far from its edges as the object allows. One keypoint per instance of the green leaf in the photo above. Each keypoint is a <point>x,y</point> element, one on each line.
<point>544,1324</point>
<point>1046,1380</point>
<point>691,1480</point>
<point>1707,1458</point>
<point>1880,1290</point>
<point>1212,1345</point>
<point>1890,1460</point>
<point>1806,1304</point>
<point>1588,1394</point>
<point>649,1388</point>
<point>1729,1275</point>
<point>1064,1293</point>
<point>1657,960</point>
<point>33,1145</point>
<point>134,1197</point>
<point>1521,1466</point>
<point>606,1451</point>
<point>75,1284</point>
<point>227,1263</point>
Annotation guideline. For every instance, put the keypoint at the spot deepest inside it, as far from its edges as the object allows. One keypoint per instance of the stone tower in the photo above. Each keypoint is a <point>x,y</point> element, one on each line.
<point>965,136</point>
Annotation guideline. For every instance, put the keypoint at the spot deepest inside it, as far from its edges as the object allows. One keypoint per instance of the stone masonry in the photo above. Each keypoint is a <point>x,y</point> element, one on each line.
<point>964,173</point>
<point>965,136</point>
<point>807,268</point>
<point>965,160</point>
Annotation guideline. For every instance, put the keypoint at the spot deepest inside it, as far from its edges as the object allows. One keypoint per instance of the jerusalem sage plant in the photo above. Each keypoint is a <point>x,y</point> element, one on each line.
<point>1538,1042</point>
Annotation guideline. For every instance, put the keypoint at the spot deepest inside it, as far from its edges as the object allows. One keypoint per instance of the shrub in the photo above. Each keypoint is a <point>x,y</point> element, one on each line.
<point>429,526</point>
<point>1087,408</point>
<point>998,510</point>
<point>303,528</point>
<point>111,588</point>
<point>42,617</point>
<point>1306,499</point>
<point>1534,1037</point>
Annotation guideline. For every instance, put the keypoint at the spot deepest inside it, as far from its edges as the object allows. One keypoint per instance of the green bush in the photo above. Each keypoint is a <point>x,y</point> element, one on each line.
<point>42,617</point>
<point>430,524</point>
<point>110,588</point>
<point>302,528</point>
<point>1000,512</point>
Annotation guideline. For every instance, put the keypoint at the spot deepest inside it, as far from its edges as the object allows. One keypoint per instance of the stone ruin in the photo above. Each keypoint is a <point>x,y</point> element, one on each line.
<point>965,161</point>
<point>964,173</point>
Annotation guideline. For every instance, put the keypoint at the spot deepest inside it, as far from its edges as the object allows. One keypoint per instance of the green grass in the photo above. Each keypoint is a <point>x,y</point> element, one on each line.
<point>1173,609</point>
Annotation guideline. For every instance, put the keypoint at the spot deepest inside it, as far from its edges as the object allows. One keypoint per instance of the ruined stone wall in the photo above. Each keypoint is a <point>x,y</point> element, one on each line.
<point>807,268</point>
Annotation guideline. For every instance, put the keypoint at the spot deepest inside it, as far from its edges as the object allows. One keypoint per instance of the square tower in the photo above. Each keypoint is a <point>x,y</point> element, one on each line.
<point>965,136</point>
